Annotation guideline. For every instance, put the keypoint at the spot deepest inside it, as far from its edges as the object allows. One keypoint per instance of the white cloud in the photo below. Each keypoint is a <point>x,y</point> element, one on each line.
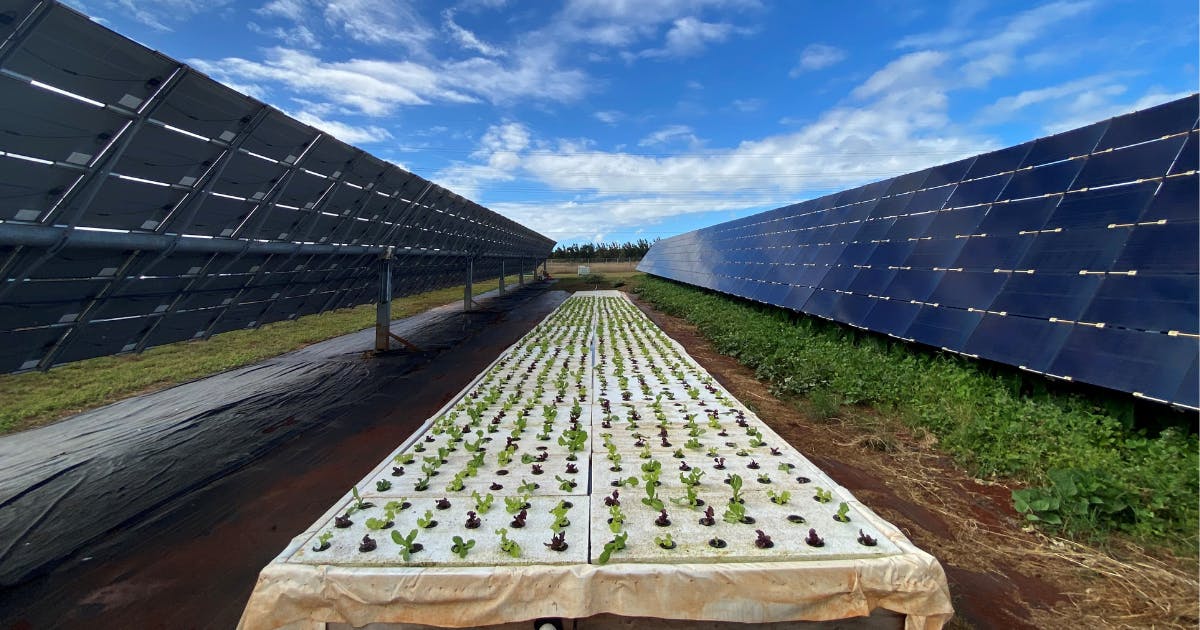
<point>907,72</point>
<point>1006,107</point>
<point>994,55</point>
<point>294,10</point>
<point>959,27</point>
<point>670,134</point>
<point>586,191</point>
<point>377,87</point>
<point>379,22</point>
<point>608,117</point>
<point>297,34</point>
<point>816,57</point>
<point>748,104</point>
<point>1093,105</point>
<point>347,133</point>
<point>688,37</point>
<point>467,39</point>
<point>160,15</point>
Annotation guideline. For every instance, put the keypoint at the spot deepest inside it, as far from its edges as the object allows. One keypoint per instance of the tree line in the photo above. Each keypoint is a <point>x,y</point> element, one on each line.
<point>632,250</point>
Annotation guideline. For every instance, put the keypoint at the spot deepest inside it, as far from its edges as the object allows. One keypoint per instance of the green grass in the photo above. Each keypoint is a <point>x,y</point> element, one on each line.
<point>1090,470</point>
<point>33,399</point>
<point>597,281</point>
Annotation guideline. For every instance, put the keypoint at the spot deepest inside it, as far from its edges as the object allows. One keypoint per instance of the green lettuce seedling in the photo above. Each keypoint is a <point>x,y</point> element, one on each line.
<point>779,498</point>
<point>482,504</point>
<point>508,546</point>
<point>408,544</point>
<point>615,545</point>
<point>461,548</point>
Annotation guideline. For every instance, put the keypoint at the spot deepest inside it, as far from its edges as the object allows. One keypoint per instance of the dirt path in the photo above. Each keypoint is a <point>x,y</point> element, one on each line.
<point>1000,576</point>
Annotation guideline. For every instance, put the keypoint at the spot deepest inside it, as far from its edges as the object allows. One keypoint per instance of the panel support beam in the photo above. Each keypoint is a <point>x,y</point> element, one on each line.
<point>469,289</point>
<point>383,305</point>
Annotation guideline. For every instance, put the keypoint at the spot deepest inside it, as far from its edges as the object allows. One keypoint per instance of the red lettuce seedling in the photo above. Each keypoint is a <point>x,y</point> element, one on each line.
<point>495,486</point>
<point>763,541</point>
<point>720,463</point>
<point>472,520</point>
<point>813,539</point>
<point>443,504</point>
<point>558,542</point>
<point>572,469</point>
<point>866,540</point>
<point>613,500</point>
<point>709,519</point>
<point>397,471</point>
<point>537,469</point>
<point>684,466</point>
<point>367,544</point>
<point>519,520</point>
<point>342,521</point>
<point>662,520</point>
<point>753,465</point>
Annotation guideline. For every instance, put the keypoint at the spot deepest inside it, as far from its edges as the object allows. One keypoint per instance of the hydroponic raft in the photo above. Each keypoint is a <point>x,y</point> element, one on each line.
<point>594,468</point>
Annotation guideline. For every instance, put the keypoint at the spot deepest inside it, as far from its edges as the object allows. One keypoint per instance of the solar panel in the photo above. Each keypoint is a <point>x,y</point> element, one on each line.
<point>142,203</point>
<point>1074,255</point>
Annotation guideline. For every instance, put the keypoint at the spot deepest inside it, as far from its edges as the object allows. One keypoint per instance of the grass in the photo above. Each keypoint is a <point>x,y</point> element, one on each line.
<point>34,399</point>
<point>1091,471</point>
<point>597,281</point>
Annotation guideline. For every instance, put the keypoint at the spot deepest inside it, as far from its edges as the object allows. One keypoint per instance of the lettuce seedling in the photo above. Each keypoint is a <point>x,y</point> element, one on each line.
<point>426,521</point>
<point>735,513</point>
<point>323,542</point>
<point>408,544</point>
<point>613,546</point>
<point>843,513</point>
<point>616,518</point>
<point>482,503</point>
<point>735,482</point>
<point>460,547</point>
<point>507,545</point>
<point>779,498</point>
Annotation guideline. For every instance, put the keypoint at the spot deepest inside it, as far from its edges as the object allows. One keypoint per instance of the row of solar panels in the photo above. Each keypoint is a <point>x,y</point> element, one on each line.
<point>1074,255</point>
<point>142,203</point>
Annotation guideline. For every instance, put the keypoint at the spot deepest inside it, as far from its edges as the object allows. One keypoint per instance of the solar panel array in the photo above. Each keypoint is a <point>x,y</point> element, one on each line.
<point>1073,255</point>
<point>143,203</point>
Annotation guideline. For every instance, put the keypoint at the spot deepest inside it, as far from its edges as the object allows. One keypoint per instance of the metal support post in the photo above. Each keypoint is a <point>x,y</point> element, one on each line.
<point>383,308</point>
<point>521,272</point>
<point>468,290</point>
<point>501,276</point>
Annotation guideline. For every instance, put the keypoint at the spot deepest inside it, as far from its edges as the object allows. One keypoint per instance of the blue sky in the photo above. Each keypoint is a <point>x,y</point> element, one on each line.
<point>623,119</point>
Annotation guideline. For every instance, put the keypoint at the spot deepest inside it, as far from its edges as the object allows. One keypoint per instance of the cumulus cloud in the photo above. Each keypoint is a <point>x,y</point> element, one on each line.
<point>688,37</point>
<point>613,191</point>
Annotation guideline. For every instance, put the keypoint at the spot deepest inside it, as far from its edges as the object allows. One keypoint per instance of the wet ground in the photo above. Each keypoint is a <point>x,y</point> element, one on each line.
<point>191,560</point>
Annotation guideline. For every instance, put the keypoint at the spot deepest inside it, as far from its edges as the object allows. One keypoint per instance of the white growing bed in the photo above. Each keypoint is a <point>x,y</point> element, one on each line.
<point>599,352</point>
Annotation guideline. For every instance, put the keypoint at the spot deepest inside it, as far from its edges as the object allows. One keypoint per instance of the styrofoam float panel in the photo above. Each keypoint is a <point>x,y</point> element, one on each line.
<point>594,382</point>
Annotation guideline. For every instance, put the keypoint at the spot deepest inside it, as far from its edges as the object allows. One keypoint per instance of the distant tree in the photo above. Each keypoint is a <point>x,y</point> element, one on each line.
<point>632,250</point>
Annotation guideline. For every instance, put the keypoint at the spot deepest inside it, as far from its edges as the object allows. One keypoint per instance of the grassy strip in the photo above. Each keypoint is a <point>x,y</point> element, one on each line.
<point>1091,471</point>
<point>33,399</point>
